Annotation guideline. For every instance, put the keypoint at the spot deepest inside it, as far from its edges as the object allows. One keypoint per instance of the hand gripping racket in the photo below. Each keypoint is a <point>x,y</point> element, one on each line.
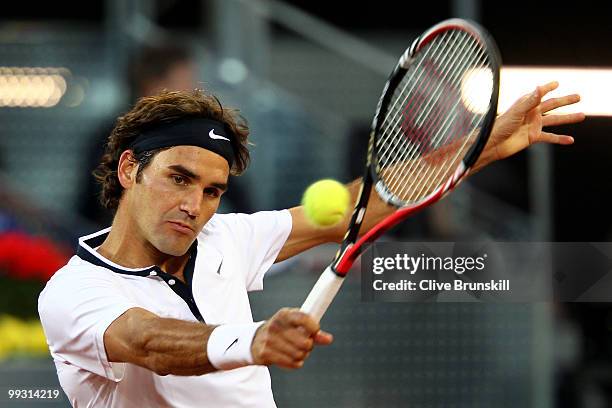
<point>431,124</point>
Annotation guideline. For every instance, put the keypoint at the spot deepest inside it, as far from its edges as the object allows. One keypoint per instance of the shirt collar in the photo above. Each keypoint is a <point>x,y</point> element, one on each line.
<point>87,251</point>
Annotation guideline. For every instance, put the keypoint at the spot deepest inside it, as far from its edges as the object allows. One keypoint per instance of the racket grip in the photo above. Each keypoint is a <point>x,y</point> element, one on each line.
<point>322,294</point>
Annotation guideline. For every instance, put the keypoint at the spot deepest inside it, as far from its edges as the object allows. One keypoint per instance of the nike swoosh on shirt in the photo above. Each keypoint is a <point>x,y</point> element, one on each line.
<point>230,346</point>
<point>219,269</point>
<point>213,135</point>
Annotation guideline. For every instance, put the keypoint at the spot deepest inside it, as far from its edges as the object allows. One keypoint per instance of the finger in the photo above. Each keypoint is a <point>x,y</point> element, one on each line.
<point>555,120</point>
<point>323,338</point>
<point>299,339</point>
<point>278,353</point>
<point>292,366</point>
<point>546,88</point>
<point>554,103</point>
<point>282,349</point>
<point>531,100</point>
<point>289,363</point>
<point>301,319</point>
<point>547,137</point>
<point>525,103</point>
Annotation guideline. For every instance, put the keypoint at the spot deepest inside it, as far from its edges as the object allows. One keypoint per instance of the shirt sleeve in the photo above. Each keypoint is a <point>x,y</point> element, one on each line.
<point>76,307</point>
<point>263,235</point>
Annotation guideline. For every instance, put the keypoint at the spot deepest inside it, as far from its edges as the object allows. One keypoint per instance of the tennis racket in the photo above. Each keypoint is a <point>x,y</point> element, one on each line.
<point>431,124</point>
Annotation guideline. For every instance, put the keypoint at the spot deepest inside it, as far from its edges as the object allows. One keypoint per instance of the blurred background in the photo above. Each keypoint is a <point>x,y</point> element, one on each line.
<point>307,76</point>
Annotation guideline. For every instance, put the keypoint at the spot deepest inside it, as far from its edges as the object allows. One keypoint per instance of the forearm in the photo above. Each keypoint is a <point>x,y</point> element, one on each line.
<point>165,346</point>
<point>377,210</point>
<point>304,235</point>
<point>177,347</point>
<point>170,346</point>
<point>489,155</point>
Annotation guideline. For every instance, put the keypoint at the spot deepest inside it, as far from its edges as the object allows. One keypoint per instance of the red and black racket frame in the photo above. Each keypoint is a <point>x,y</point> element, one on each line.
<point>351,246</point>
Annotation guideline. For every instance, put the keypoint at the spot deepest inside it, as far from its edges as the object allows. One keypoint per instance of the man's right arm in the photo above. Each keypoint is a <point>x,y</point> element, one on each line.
<point>171,346</point>
<point>165,346</point>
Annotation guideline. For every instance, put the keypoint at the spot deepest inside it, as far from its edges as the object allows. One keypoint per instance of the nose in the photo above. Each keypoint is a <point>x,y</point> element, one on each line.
<point>191,203</point>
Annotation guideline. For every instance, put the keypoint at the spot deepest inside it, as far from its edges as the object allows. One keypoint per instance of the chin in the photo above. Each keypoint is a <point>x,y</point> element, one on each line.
<point>174,248</point>
<point>176,252</point>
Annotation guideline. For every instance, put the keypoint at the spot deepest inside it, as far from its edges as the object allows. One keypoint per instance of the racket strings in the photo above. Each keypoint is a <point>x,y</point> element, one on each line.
<point>424,112</point>
<point>460,127</point>
<point>438,123</point>
<point>397,141</point>
<point>449,151</point>
<point>417,151</point>
<point>426,69</point>
<point>393,113</point>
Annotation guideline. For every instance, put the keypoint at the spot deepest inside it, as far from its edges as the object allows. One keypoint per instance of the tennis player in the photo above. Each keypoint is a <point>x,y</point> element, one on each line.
<point>153,311</point>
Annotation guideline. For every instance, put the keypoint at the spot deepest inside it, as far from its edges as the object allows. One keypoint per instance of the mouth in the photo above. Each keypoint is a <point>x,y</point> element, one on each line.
<point>181,227</point>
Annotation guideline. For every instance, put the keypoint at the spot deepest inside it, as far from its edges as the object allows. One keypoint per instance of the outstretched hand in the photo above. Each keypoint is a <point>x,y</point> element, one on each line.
<point>521,125</point>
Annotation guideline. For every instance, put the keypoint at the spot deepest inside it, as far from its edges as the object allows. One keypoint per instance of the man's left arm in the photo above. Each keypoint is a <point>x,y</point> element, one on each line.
<point>304,235</point>
<point>518,128</point>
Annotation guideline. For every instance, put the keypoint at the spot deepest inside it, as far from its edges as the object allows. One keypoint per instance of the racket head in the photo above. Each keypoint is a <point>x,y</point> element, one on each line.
<point>435,114</point>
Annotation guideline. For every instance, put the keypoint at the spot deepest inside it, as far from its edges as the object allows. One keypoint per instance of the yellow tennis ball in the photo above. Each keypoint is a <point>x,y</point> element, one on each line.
<point>326,202</point>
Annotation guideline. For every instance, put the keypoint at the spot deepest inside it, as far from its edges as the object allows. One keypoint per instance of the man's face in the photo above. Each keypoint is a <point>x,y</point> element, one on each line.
<point>177,193</point>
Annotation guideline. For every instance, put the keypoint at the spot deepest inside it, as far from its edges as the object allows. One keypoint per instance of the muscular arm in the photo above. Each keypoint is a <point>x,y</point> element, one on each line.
<point>170,346</point>
<point>165,346</point>
<point>518,128</point>
<point>304,235</point>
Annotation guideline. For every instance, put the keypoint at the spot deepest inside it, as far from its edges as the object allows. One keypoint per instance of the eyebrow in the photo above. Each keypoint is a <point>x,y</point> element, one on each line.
<point>188,173</point>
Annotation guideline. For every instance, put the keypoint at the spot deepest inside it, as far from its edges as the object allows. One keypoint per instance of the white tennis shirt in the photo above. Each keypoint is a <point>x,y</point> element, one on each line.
<point>232,254</point>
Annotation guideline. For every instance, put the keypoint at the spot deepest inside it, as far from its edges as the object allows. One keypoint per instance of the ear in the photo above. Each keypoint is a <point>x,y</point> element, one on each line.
<point>126,171</point>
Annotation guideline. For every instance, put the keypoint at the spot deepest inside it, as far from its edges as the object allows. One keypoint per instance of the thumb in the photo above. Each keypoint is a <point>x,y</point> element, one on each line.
<point>323,338</point>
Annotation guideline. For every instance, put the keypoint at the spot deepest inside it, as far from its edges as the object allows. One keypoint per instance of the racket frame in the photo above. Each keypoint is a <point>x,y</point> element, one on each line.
<point>351,247</point>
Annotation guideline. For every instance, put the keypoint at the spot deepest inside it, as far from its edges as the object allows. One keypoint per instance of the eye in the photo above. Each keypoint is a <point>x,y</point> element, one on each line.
<point>179,180</point>
<point>212,192</point>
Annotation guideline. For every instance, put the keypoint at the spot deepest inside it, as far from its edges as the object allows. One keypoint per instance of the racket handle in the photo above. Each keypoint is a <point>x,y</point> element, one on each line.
<point>322,294</point>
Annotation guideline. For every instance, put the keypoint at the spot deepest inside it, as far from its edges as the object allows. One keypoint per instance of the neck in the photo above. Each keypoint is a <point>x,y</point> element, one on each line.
<point>125,247</point>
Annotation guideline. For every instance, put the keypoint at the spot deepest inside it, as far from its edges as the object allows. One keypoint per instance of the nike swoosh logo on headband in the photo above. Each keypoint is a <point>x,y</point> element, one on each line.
<point>213,135</point>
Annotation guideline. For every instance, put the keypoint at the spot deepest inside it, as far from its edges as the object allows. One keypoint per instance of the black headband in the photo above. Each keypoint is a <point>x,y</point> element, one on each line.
<point>206,133</point>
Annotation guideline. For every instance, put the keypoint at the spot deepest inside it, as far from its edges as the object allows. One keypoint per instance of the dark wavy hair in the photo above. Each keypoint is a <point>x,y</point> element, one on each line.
<point>165,107</point>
